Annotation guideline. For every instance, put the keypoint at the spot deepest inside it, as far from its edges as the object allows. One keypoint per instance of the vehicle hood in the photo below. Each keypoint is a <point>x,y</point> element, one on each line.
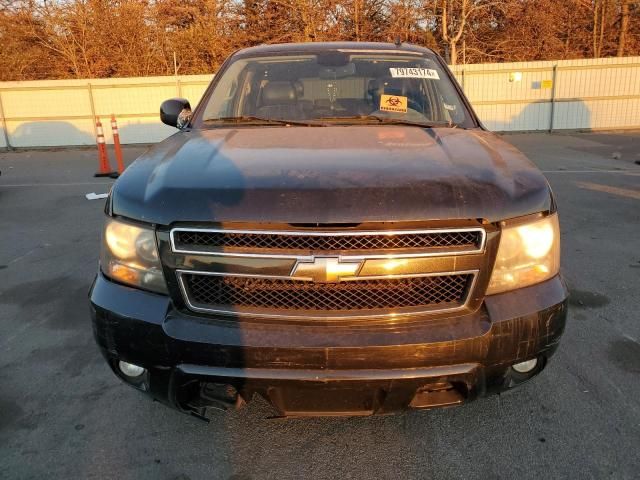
<point>336,174</point>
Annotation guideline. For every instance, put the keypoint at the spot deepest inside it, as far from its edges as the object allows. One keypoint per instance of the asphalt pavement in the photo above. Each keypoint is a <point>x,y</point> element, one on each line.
<point>63,414</point>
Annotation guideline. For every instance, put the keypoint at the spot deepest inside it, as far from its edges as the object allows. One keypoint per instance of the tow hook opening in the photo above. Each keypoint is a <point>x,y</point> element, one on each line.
<point>439,394</point>
<point>197,397</point>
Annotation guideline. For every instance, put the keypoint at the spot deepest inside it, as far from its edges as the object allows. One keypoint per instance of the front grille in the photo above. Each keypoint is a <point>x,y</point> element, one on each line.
<point>243,294</point>
<point>256,241</point>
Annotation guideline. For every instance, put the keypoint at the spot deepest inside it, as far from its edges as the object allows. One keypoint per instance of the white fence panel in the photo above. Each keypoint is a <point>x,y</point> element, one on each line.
<point>524,96</point>
<point>63,112</point>
<point>51,115</point>
<point>552,95</point>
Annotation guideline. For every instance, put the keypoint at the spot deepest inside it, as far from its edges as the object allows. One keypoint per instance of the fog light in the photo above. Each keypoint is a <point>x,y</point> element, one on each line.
<point>130,370</point>
<point>525,367</point>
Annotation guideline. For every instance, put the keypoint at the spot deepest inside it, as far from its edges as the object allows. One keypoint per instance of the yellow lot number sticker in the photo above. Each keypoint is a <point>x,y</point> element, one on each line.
<point>393,103</point>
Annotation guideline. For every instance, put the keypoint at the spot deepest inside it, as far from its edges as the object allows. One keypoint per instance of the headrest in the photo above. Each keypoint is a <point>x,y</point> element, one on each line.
<point>299,86</point>
<point>373,87</point>
<point>278,93</point>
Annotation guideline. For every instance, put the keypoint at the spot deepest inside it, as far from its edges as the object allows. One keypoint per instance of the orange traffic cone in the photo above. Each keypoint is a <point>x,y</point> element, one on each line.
<point>116,144</point>
<point>104,169</point>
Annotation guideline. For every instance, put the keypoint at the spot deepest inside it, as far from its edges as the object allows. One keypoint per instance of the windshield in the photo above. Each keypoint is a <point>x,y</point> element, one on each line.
<point>335,87</point>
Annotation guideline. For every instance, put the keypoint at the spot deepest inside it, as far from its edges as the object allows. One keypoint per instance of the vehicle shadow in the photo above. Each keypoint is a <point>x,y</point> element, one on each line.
<point>54,133</point>
<point>532,117</point>
<point>51,134</point>
<point>133,131</point>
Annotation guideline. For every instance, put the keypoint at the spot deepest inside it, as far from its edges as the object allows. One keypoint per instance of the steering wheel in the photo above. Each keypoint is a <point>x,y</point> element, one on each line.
<point>414,105</point>
<point>412,114</point>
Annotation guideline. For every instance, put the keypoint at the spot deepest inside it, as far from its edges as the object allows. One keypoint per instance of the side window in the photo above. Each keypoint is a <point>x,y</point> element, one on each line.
<point>225,102</point>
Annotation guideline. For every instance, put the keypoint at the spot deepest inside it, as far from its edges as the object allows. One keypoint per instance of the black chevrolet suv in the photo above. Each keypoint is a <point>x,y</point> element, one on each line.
<point>333,229</point>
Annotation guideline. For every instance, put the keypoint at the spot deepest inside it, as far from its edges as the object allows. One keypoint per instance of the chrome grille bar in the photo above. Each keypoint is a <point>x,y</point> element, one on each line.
<point>455,300</point>
<point>443,242</point>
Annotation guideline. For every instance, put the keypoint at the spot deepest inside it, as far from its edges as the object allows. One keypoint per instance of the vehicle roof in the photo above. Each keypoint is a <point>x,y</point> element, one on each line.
<point>315,47</point>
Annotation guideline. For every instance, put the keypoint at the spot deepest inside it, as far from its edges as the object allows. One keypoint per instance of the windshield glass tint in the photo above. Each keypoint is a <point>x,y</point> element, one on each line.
<point>336,86</point>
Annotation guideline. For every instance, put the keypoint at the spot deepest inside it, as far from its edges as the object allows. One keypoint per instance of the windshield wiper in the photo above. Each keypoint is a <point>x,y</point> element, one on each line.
<point>263,121</point>
<point>392,121</point>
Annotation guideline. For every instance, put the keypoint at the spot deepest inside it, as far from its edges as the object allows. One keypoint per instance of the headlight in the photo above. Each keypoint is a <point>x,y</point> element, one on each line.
<point>129,255</point>
<point>529,253</point>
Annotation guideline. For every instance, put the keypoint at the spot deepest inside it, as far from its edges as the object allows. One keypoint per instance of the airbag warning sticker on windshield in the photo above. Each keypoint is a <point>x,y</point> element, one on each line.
<point>393,103</point>
<point>414,72</point>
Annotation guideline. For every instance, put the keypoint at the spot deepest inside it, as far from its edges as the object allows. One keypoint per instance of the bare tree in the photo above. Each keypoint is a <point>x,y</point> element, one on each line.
<point>624,26</point>
<point>101,38</point>
<point>455,16</point>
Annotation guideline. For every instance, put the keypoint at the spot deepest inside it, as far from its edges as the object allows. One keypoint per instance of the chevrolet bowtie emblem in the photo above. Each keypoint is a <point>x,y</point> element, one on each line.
<point>325,270</point>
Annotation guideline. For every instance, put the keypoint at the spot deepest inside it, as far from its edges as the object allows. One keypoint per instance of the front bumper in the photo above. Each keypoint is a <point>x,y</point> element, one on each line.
<point>196,362</point>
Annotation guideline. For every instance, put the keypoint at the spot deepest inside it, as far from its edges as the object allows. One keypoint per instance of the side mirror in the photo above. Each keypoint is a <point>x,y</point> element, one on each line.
<point>176,112</point>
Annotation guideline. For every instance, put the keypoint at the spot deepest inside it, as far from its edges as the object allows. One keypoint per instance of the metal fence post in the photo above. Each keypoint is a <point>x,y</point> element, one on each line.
<point>5,130</point>
<point>554,77</point>
<point>93,109</point>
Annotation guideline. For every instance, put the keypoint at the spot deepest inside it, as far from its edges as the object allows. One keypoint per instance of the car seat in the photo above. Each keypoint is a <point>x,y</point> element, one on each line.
<point>279,100</point>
